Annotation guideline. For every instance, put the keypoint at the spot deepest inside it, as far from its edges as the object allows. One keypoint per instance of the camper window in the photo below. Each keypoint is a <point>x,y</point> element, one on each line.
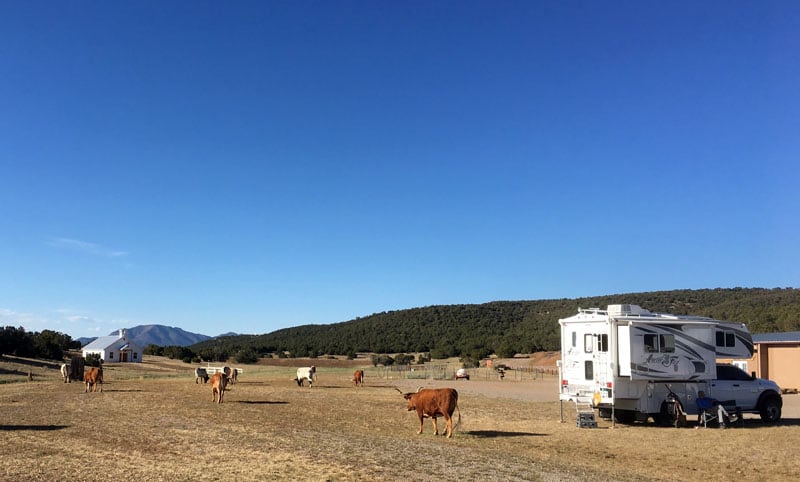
<point>602,342</point>
<point>588,370</point>
<point>659,343</point>
<point>667,343</point>
<point>650,343</point>
<point>726,339</point>
<point>587,343</point>
<point>574,339</point>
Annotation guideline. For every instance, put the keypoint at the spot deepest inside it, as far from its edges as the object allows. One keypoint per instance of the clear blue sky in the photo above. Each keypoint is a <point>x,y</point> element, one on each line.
<point>249,166</point>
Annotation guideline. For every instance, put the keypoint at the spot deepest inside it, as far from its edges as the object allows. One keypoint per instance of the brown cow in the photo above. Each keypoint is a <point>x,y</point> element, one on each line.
<point>218,384</point>
<point>358,378</point>
<point>93,378</point>
<point>434,402</point>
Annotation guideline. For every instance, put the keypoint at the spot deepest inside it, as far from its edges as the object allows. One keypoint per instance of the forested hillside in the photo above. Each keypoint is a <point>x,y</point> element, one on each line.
<point>504,327</point>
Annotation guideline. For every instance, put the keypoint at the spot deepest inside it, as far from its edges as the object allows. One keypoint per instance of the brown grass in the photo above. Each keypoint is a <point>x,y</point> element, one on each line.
<point>153,423</point>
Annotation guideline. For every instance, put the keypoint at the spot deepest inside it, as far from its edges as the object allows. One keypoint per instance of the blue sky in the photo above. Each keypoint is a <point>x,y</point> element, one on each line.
<point>251,166</point>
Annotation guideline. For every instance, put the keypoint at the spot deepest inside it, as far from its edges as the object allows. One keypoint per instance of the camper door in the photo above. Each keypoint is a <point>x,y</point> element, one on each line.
<point>585,356</point>
<point>662,351</point>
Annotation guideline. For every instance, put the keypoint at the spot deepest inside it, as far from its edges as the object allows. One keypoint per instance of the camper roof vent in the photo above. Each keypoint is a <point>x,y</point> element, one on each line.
<point>626,310</point>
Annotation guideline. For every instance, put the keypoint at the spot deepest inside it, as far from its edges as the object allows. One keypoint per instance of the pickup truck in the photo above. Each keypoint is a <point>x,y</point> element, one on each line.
<point>752,395</point>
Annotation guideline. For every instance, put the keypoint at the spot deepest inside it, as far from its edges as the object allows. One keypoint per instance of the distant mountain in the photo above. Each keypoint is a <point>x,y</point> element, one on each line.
<point>85,340</point>
<point>161,335</point>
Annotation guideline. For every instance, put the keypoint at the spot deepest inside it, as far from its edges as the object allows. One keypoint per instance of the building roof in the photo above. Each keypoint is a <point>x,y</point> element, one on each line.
<point>106,342</point>
<point>785,337</point>
<point>101,343</point>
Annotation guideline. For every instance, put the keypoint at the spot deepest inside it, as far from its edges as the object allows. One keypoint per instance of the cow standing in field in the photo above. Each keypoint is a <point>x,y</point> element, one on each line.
<point>306,373</point>
<point>434,403</point>
<point>200,374</point>
<point>231,373</point>
<point>219,382</point>
<point>358,378</point>
<point>93,378</point>
<point>65,373</point>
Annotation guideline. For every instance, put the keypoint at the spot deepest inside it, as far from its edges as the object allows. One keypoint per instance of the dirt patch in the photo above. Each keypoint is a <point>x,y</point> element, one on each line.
<point>544,359</point>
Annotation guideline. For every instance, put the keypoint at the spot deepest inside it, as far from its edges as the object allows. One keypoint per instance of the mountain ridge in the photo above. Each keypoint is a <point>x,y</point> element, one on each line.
<point>160,335</point>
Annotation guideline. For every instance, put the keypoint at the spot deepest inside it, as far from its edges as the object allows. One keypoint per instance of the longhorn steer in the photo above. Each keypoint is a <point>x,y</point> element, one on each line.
<point>92,378</point>
<point>306,373</point>
<point>358,378</point>
<point>218,384</point>
<point>434,403</point>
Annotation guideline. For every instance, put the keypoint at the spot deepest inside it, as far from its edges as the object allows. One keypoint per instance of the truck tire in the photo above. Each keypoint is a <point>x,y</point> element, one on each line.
<point>770,409</point>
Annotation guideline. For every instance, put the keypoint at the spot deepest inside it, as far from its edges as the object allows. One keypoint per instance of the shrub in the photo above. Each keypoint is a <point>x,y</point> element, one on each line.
<point>246,356</point>
<point>93,360</point>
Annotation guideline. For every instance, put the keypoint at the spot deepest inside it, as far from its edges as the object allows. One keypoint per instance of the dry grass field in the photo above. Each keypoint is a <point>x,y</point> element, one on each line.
<point>152,422</point>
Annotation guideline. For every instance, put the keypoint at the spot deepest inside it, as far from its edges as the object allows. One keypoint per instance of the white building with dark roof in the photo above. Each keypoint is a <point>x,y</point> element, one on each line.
<point>115,349</point>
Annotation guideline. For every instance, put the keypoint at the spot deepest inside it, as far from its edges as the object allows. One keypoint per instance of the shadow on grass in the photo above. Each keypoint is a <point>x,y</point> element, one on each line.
<point>260,402</point>
<point>500,433</point>
<point>755,424</point>
<point>789,422</point>
<point>37,428</point>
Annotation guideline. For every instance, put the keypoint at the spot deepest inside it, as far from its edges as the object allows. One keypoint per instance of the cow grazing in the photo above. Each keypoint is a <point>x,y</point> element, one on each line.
<point>358,378</point>
<point>93,378</point>
<point>219,382</point>
<point>65,373</point>
<point>200,374</point>
<point>306,373</point>
<point>434,403</point>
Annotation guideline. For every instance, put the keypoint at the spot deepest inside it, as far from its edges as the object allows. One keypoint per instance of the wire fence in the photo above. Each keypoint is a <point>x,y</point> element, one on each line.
<point>432,371</point>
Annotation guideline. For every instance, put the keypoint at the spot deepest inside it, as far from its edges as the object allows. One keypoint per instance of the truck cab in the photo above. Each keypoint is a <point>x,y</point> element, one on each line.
<point>752,395</point>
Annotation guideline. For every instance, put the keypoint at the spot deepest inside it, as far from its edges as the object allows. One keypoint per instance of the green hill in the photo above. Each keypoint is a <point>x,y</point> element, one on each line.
<point>504,327</point>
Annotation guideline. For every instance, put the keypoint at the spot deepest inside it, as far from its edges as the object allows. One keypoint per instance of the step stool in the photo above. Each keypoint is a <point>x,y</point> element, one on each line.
<point>586,420</point>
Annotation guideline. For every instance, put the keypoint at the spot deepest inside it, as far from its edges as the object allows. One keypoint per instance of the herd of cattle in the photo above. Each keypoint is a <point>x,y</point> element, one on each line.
<point>428,403</point>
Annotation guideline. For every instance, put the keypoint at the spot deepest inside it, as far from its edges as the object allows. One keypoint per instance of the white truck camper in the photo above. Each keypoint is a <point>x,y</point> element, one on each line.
<point>631,364</point>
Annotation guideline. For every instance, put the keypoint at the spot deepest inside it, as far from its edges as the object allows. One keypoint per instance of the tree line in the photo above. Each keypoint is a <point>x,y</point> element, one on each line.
<point>470,332</point>
<point>505,328</point>
<point>48,344</point>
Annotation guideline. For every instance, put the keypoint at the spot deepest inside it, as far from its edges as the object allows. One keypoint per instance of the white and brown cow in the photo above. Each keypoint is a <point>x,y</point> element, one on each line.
<point>219,382</point>
<point>434,403</point>
<point>306,373</point>
<point>231,373</point>
<point>65,373</point>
